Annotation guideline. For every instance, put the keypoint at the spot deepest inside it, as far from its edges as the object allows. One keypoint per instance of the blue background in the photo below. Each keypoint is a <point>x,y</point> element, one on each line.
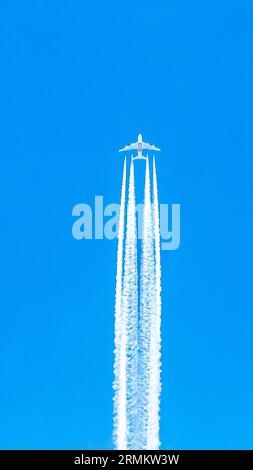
<point>78,81</point>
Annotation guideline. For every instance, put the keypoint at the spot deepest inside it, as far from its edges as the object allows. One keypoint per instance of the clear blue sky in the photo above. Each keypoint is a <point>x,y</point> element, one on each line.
<point>79,80</point>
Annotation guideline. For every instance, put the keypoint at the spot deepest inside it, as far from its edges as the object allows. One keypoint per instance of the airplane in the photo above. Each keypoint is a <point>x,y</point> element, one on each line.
<point>139,146</point>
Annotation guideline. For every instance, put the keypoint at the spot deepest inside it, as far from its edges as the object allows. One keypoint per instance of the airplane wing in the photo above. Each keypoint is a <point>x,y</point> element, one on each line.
<point>150,147</point>
<point>130,147</point>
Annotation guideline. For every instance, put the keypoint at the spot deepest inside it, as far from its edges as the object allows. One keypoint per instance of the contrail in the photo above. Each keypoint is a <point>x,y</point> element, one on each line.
<point>130,315</point>
<point>147,301</point>
<point>119,385</point>
<point>137,363</point>
<point>155,343</point>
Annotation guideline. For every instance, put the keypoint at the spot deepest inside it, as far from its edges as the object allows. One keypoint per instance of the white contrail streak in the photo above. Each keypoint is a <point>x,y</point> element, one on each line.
<point>130,314</point>
<point>147,300</point>
<point>119,385</point>
<point>137,363</point>
<point>155,343</point>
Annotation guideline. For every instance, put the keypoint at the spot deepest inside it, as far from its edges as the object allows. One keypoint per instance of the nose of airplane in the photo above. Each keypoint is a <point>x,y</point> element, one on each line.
<point>139,137</point>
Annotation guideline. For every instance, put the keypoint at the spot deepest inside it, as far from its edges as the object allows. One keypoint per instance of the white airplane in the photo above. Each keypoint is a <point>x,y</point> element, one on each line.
<point>139,146</point>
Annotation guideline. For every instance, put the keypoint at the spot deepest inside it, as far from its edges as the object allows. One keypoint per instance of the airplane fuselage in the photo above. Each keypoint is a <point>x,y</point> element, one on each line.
<point>139,149</point>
